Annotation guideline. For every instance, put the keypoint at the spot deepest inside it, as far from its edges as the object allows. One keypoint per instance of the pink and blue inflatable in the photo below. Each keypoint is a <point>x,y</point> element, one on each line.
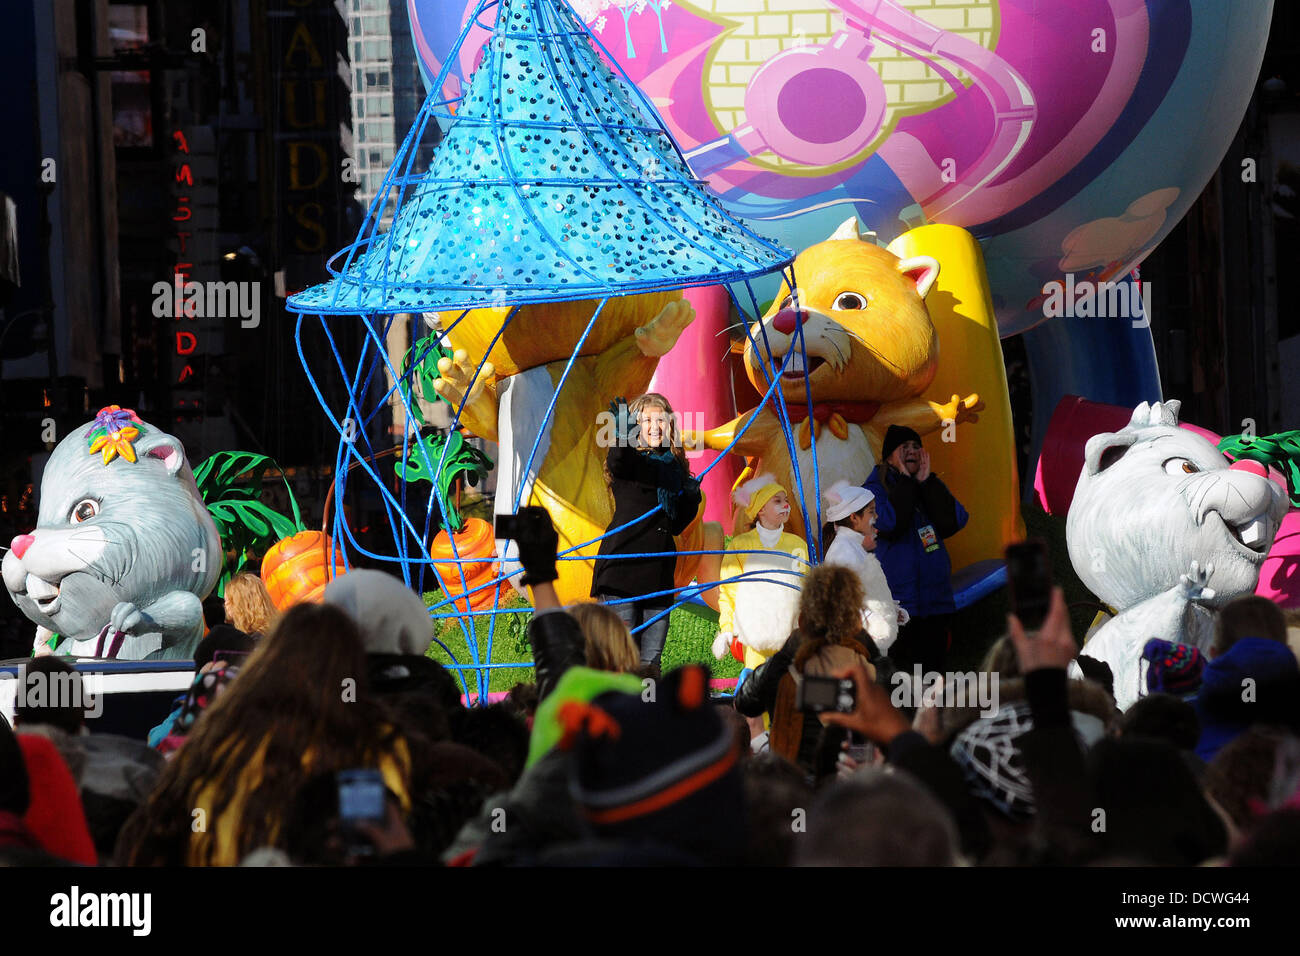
<point>1069,137</point>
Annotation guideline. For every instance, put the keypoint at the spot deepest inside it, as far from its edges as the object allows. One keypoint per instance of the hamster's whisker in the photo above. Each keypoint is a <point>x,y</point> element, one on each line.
<point>1204,492</point>
<point>867,345</point>
<point>1236,492</point>
<point>879,357</point>
<point>1193,499</point>
<point>844,360</point>
<point>1207,487</point>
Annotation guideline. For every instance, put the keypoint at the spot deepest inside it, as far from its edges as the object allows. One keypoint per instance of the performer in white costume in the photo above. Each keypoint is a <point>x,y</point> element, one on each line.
<point>850,513</point>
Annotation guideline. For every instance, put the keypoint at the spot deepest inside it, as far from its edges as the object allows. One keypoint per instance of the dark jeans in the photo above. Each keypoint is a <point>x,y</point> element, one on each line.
<point>651,638</point>
<point>924,641</point>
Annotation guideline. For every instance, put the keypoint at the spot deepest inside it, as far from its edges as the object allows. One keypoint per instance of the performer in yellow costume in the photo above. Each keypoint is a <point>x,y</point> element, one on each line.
<point>759,608</point>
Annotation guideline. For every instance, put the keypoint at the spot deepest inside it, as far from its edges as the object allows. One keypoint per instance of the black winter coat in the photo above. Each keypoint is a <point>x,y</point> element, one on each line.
<point>557,644</point>
<point>637,479</point>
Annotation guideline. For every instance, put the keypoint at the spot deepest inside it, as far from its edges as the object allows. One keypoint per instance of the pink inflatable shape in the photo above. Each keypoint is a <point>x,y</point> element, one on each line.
<point>1279,578</point>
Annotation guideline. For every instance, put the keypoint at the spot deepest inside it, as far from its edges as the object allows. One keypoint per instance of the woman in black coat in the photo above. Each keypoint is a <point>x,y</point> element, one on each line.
<point>656,497</point>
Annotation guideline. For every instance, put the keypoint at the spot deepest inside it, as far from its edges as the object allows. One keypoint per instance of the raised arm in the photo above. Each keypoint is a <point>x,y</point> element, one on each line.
<point>901,491</point>
<point>554,636</point>
<point>1053,758</point>
<point>876,718</point>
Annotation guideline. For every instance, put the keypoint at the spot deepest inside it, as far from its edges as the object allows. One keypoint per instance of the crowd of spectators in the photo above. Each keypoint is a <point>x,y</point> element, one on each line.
<point>603,761</point>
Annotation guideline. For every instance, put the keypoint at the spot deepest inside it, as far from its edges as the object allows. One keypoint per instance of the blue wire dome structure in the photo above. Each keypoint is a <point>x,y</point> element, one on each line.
<point>555,180</point>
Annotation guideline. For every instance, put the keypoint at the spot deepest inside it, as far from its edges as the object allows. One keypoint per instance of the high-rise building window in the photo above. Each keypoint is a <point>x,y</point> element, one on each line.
<point>128,29</point>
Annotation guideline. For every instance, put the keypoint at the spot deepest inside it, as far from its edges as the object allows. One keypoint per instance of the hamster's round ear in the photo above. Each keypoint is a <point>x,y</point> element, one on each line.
<point>1157,413</point>
<point>848,229</point>
<point>166,449</point>
<point>922,270</point>
<point>1104,450</point>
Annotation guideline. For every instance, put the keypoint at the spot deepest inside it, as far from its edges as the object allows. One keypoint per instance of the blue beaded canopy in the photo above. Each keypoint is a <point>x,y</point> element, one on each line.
<point>555,179</point>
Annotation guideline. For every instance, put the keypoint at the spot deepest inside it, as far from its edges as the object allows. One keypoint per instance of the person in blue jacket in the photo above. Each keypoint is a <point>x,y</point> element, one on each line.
<point>915,512</point>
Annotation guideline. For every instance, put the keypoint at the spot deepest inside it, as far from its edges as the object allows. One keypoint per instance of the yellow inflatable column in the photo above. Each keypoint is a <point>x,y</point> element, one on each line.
<point>979,467</point>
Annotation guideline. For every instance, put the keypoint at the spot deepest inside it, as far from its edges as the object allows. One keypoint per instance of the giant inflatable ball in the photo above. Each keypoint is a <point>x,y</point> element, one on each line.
<point>1071,137</point>
<point>124,550</point>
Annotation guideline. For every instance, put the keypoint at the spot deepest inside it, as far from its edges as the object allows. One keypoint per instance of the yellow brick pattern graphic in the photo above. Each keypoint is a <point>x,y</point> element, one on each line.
<point>768,26</point>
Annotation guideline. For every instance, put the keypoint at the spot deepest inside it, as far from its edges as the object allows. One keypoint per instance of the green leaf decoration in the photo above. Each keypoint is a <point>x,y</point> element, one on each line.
<point>462,459</point>
<point>230,483</point>
<point>1281,450</point>
<point>420,371</point>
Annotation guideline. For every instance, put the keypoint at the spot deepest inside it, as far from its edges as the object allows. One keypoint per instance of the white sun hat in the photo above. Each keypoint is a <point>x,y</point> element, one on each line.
<point>843,499</point>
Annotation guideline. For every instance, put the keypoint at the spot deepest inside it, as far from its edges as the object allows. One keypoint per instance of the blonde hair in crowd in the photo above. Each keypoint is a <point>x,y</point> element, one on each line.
<point>248,604</point>
<point>608,644</point>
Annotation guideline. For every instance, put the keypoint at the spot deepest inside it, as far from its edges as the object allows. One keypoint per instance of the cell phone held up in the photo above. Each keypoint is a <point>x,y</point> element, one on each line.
<point>361,797</point>
<point>525,525</point>
<point>817,695</point>
<point>1029,582</point>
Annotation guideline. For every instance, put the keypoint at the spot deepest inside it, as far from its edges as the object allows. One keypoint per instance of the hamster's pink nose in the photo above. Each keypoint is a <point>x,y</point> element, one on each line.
<point>786,321</point>
<point>21,543</point>
<point>1256,468</point>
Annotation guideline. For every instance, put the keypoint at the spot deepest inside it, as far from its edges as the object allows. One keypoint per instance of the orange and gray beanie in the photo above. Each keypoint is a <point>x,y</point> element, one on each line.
<point>658,767</point>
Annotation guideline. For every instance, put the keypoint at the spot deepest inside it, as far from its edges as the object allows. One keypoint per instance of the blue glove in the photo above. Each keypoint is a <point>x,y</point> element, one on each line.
<point>626,427</point>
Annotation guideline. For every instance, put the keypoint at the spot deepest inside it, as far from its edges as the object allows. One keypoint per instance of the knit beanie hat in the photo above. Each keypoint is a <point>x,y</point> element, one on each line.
<point>14,795</point>
<point>1175,668</point>
<point>658,767</point>
<point>989,759</point>
<point>843,499</point>
<point>987,753</point>
<point>577,685</point>
<point>755,493</point>
<point>204,690</point>
<point>55,816</point>
<point>392,618</point>
<point>895,435</point>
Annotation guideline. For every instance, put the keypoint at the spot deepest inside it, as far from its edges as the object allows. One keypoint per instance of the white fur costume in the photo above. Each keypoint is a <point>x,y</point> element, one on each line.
<point>881,612</point>
<point>760,609</point>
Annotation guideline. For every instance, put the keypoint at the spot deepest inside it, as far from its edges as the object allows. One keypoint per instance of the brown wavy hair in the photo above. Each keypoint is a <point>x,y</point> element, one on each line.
<point>289,701</point>
<point>607,642</point>
<point>655,400</point>
<point>248,604</point>
<point>830,610</point>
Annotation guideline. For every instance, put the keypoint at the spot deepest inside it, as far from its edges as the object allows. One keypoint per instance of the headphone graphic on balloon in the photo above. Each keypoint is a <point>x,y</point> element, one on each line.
<point>777,97</point>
